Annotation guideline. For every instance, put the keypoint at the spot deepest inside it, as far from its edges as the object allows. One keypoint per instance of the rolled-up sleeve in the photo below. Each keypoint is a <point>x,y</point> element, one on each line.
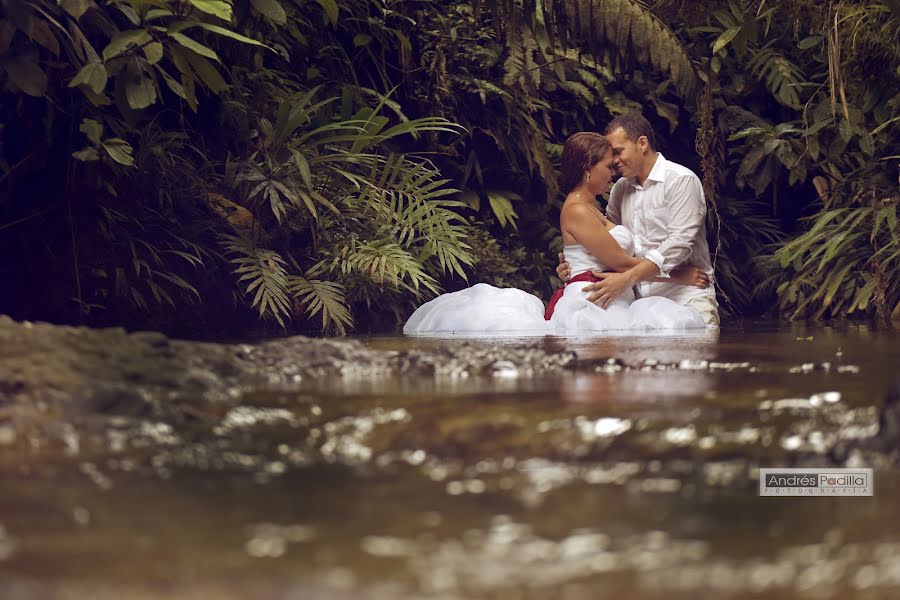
<point>686,215</point>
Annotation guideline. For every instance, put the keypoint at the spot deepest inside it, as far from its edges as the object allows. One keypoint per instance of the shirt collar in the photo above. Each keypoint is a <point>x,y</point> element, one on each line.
<point>658,172</point>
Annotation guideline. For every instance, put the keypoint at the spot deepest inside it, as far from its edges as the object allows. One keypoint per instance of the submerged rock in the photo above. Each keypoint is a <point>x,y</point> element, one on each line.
<point>112,371</point>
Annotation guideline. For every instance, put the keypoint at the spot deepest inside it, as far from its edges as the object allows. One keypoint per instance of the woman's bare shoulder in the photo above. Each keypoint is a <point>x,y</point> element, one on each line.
<point>582,211</point>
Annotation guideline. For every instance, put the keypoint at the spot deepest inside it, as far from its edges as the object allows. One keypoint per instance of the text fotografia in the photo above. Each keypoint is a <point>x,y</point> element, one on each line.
<point>816,482</point>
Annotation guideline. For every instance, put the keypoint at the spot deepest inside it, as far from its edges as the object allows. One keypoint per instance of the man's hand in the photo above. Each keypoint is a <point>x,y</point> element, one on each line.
<point>563,271</point>
<point>612,284</point>
<point>688,274</point>
<point>609,288</point>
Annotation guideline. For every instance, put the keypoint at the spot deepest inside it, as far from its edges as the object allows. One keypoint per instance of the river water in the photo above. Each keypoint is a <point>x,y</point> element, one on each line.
<point>631,473</point>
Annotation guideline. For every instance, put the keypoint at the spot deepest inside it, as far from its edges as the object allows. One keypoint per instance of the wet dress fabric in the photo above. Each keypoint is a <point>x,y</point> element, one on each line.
<point>485,309</point>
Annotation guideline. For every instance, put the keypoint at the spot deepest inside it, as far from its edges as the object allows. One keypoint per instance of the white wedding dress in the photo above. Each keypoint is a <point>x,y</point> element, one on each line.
<point>485,309</point>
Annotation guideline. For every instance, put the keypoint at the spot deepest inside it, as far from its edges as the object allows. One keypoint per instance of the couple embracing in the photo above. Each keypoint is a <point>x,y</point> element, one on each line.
<point>644,265</point>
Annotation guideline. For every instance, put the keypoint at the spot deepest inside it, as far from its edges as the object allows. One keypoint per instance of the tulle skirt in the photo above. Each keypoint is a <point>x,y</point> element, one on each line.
<point>485,309</point>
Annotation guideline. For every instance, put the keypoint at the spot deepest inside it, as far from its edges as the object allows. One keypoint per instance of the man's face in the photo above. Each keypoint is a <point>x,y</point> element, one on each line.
<point>628,155</point>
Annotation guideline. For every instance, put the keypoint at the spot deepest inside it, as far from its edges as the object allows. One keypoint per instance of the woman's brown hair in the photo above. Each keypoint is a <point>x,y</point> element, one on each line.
<point>581,152</point>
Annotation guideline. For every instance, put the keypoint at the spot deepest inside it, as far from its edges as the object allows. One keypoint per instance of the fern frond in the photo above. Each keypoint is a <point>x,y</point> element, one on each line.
<point>382,262</point>
<point>629,27</point>
<point>265,271</point>
<point>325,297</point>
<point>407,200</point>
<point>781,76</point>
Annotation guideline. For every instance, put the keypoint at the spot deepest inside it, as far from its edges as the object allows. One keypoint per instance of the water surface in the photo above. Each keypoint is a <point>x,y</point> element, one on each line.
<point>632,473</point>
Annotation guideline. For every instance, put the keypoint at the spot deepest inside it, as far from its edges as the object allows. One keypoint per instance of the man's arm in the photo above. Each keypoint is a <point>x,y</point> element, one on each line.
<point>613,284</point>
<point>687,212</point>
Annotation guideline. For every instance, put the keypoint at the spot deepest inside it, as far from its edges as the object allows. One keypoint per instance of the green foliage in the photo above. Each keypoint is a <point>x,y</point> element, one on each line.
<point>805,118</point>
<point>627,29</point>
<point>333,160</point>
<point>388,223</point>
<point>115,148</point>
<point>265,273</point>
<point>143,262</point>
<point>325,298</point>
<point>127,49</point>
<point>846,262</point>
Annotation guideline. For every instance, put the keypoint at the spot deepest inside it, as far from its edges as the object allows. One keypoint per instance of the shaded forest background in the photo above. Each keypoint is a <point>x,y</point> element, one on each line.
<point>207,167</point>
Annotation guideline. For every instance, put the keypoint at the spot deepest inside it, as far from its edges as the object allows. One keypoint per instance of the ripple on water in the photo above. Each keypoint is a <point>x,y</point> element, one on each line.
<point>269,540</point>
<point>7,544</point>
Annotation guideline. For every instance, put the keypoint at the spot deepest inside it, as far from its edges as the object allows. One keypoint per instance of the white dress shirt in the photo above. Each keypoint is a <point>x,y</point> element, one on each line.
<point>667,215</point>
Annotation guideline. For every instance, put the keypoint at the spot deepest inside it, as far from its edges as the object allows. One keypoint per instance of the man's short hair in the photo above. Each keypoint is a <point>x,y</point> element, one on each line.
<point>634,125</point>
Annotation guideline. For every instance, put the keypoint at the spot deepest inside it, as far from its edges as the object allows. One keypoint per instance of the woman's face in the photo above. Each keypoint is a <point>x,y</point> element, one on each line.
<point>601,174</point>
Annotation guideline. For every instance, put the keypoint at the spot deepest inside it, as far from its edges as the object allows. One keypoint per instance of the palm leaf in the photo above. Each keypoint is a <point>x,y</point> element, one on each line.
<point>325,297</point>
<point>625,25</point>
<point>265,271</point>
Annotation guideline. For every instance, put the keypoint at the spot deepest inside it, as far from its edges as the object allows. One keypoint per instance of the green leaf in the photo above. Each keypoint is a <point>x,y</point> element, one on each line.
<point>303,167</point>
<point>668,111</point>
<point>270,9</point>
<point>503,209</point>
<point>207,72</point>
<point>323,297</point>
<point>139,90</point>
<point>331,10</point>
<point>93,75</point>
<point>128,11</point>
<point>124,40</point>
<point>214,7</point>
<point>881,127</point>
<point>361,39</point>
<point>471,199</point>
<point>188,82</point>
<point>87,154</point>
<point>175,279</point>
<point>173,85</point>
<point>92,129</point>
<point>866,143</point>
<point>153,52</point>
<point>157,13</point>
<point>809,42</point>
<point>845,129</point>
<point>26,75</point>
<point>42,34</point>
<point>863,296</point>
<point>726,37</point>
<point>230,34</point>
<point>119,150</point>
<point>814,149</point>
<point>195,46</point>
<point>834,281</point>
<point>76,8</point>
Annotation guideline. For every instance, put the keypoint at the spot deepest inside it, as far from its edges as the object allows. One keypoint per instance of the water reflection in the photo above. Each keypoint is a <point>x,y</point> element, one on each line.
<point>629,473</point>
<point>636,388</point>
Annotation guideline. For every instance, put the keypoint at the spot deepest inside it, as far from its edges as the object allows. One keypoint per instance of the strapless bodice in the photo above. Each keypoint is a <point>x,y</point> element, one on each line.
<point>580,260</point>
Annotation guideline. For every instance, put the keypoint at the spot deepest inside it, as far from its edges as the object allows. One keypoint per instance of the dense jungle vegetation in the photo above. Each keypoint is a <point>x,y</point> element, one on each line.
<point>327,165</point>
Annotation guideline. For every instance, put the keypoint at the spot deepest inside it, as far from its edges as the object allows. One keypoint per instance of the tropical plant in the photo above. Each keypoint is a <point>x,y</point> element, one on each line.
<point>379,221</point>
<point>303,156</point>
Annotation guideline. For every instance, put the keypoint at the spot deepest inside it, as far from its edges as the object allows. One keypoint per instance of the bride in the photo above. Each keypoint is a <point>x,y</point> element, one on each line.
<point>592,243</point>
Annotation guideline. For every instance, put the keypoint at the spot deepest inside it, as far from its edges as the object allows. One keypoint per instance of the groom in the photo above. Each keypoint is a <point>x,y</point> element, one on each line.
<point>662,203</point>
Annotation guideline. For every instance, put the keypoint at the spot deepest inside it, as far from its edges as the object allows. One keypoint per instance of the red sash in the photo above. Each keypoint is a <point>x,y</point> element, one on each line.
<point>586,276</point>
